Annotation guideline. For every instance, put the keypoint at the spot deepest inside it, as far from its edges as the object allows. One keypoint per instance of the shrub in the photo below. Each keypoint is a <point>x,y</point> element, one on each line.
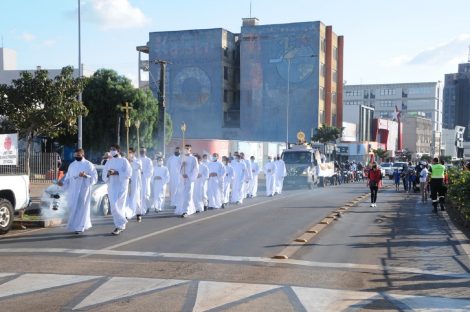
<point>459,192</point>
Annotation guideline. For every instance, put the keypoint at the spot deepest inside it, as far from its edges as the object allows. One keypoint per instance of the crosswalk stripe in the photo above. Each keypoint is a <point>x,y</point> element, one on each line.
<point>34,282</point>
<point>122,287</point>
<point>215,294</point>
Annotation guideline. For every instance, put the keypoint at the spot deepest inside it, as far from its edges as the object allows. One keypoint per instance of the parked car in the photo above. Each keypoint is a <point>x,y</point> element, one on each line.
<point>54,200</point>
<point>387,170</point>
<point>399,166</point>
<point>14,195</point>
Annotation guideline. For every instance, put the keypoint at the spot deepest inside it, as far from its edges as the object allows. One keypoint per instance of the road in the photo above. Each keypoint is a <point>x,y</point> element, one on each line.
<point>397,256</point>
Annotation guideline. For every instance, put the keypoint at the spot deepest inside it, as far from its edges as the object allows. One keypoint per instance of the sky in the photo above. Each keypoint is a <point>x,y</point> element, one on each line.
<point>385,41</point>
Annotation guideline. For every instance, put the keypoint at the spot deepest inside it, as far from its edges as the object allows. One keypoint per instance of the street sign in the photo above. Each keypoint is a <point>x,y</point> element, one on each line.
<point>9,149</point>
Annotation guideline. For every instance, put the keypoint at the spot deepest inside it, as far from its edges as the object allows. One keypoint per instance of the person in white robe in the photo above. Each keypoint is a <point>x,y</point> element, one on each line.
<point>188,175</point>
<point>147,173</point>
<point>269,171</point>
<point>173,164</point>
<point>116,174</point>
<point>239,178</point>
<point>215,184</point>
<point>199,185</point>
<point>255,170</point>
<point>205,161</point>
<point>161,176</point>
<point>227,180</point>
<point>81,175</point>
<point>134,198</point>
<point>281,172</point>
<point>249,176</point>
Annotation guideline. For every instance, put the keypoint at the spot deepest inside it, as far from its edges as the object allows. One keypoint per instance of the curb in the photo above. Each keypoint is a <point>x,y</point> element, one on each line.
<point>38,223</point>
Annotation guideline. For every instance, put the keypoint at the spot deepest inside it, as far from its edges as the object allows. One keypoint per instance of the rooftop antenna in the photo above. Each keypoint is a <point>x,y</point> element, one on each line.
<point>250,13</point>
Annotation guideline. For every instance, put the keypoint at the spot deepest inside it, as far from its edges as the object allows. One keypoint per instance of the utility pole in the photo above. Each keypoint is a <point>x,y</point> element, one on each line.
<point>161,107</point>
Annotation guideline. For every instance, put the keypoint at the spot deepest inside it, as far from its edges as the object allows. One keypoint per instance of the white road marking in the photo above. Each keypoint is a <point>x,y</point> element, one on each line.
<point>193,222</point>
<point>123,287</point>
<point>421,303</point>
<point>318,299</point>
<point>6,274</point>
<point>33,282</point>
<point>215,294</point>
<point>332,265</point>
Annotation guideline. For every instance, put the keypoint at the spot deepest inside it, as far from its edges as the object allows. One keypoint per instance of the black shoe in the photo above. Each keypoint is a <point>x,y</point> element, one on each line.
<point>197,211</point>
<point>184,215</point>
<point>139,218</point>
<point>78,232</point>
<point>117,231</point>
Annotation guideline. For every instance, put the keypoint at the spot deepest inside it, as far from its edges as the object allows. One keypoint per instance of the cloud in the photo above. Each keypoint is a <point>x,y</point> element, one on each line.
<point>451,52</point>
<point>114,14</point>
<point>27,36</point>
<point>49,43</point>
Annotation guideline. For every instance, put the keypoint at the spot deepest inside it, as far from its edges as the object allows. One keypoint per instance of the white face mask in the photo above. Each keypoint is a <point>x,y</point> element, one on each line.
<point>113,153</point>
<point>187,152</point>
<point>213,158</point>
<point>160,163</point>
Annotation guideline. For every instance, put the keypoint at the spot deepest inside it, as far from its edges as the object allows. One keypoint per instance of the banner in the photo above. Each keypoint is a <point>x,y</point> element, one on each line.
<point>9,149</point>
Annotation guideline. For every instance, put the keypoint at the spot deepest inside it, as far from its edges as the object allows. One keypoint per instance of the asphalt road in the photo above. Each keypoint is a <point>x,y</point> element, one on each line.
<point>397,256</point>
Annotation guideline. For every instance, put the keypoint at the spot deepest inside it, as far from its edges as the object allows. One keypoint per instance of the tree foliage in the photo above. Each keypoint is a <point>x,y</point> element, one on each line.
<point>104,96</point>
<point>380,153</point>
<point>36,105</point>
<point>326,134</point>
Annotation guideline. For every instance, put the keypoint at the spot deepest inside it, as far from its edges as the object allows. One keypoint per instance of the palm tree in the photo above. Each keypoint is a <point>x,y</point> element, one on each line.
<point>380,154</point>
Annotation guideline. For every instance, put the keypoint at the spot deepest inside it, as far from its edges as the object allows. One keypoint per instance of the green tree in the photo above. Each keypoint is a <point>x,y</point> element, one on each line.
<point>426,158</point>
<point>326,134</point>
<point>36,105</point>
<point>104,96</point>
<point>380,154</point>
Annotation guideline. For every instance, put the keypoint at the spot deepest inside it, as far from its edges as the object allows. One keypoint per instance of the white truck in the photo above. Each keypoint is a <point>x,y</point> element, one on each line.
<point>14,196</point>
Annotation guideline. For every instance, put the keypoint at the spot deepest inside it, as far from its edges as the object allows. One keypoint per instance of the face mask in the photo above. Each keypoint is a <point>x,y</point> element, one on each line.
<point>213,158</point>
<point>77,158</point>
<point>160,163</point>
<point>131,156</point>
<point>142,153</point>
<point>187,151</point>
<point>113,153</point>
<point>177,153</point>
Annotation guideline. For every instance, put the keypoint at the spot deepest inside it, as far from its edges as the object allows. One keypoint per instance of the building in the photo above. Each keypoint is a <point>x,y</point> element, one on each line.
<point>360,114</point>
<point>9,72</point>
<point>417,134</point>
<point>385,132</point>
<point>388,99</point>
<point>457,99</point>
<point>264,84</point>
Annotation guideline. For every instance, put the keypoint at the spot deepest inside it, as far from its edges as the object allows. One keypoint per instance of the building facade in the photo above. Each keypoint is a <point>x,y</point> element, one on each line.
<point>417,134</point>
<point>265,83</point>
<point>457,99</point>
<point>388,99</point>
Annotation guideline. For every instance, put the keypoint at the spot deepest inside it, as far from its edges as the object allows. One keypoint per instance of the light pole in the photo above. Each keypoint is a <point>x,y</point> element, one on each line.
<point>288,58</point>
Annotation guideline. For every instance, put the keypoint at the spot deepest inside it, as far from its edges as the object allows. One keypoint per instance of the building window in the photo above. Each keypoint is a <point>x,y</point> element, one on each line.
<point>226,52</point>
<point>225,96</point>
<point>335,53</point>
<point>333,96</point>
<point>322,117</point>
<point>323,69</point>
<point>387,92</point>
<point>366,94</point>
<point>351,93</point>
<point>322,93</point>
<point>225,72</point>
<point>335,76</point>
<point>323,44</point>
<point>333,120</point>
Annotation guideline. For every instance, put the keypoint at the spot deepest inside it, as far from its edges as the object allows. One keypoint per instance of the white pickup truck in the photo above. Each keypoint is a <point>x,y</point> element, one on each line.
<point>14,195</point>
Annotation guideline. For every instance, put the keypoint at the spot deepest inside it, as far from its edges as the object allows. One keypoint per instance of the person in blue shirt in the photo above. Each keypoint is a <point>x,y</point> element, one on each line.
<point>396,178</point>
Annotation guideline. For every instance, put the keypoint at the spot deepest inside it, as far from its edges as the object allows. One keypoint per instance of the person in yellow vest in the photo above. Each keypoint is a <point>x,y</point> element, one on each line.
<point>437,174</point>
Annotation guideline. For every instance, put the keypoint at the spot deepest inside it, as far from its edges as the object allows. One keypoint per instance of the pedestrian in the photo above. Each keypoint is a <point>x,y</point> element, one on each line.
<point>202,177</point>
<point>374,178</point>
<point>134,200</point>
<point>280,173</point>
<point>269,171</point>
<point>437,173</point>
<point>161,177</point>
<point>147,173</point>
<point>173,164</point>
<point>188,175</point>
<point>81,175</point>
<point>249,176</point>
<point>239,178</point>
<point>253,188</point>
<point>423,183</point>
<point>205,161</point>
<point>227,180</point>
<point>116,174</point>
<point>396,179</point>
<point>215,184</point>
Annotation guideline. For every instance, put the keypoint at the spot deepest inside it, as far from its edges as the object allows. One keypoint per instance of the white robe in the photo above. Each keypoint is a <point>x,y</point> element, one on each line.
<point>239,178</point>
<point>147,173</point>
<point>227,182</point>
<point>118,186</point>
<point>248,178</point>
<point>206,201</point>
<point>174,167</point>
<point>253,188</point>
<point>79,194</point>
<point>159,186</point>
<point>215,185</point>
<point>280,174</point>
<point>184,194</point>
<point>269,171</point>
<point>199,187</point>
<point>134,200</point>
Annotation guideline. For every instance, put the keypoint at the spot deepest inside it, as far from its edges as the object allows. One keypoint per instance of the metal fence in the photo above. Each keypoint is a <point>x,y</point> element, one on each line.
<point>44,167</point>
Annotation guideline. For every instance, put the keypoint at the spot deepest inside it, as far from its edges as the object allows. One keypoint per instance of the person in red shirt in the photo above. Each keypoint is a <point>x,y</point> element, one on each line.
<point>374,179</point>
